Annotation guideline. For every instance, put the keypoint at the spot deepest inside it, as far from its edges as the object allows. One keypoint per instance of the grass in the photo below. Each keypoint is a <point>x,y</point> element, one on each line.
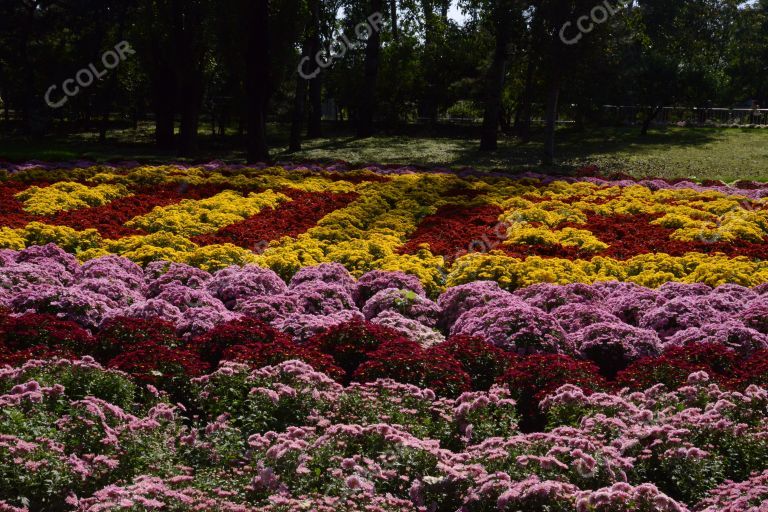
<point>727,154</point>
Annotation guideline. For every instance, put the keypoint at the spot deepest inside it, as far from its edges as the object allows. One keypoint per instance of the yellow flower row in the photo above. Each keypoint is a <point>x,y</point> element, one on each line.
<point>68,195</point>
<point>368,233</point>
<point>271,178</point>
<point>88,244</point>
<point>651,270</point>
<point>196,217</point>
<point>708,216</point>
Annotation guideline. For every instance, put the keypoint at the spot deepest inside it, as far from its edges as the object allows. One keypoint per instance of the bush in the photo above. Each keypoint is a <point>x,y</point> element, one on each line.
<point>517,328</point>
<point>482,361</point>
<point>246,331</point>
<point>38,352</point>
<point>613,345</point>
<point>123,333</point>
<point>351,343</point>
<point>406,362</point>
<point>532,378</point>
<point>674,366</point>
<point>754,370</point>
<point>166,368</point>
<point>43,330</point>
<point>281,349</point>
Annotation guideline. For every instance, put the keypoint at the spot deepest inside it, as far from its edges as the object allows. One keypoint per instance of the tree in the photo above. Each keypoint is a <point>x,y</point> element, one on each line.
<point>676,57</point>
<point>367,104</point>
<point>506,19</point>
<point>257,79</point>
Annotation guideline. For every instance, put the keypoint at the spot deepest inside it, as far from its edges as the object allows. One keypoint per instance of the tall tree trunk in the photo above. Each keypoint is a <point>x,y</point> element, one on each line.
<point>164,105</point>
<point>103,125</point>
<point>430,101</point>
<point>494,89</point>
<point>314,123</point>
<point>523,121</point>
<point>553,96</point>
<point>650,116</point>
<point>299,101</point>
<point>495,80</point>
<point>190,122</point>
<point>367,105</point>
<point>393,20</point>
<point>257,80</point>
<point>188,24</point>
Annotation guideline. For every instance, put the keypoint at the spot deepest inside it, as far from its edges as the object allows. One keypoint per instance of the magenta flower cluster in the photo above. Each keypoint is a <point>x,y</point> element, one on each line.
<point>286,437</point>
<point>610,323</point>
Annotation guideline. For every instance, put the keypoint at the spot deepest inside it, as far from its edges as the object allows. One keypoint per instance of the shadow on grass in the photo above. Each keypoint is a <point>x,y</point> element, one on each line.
<point>711,152</point>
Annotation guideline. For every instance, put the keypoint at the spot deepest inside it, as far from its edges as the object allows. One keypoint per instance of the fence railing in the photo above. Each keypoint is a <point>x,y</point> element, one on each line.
<point>613,115</point>
<point>714,116</point>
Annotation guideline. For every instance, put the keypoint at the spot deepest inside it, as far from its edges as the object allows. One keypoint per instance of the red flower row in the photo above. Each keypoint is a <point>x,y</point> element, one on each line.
<point>357,350</point>
<point>288,219</point>
<point>455,230</point>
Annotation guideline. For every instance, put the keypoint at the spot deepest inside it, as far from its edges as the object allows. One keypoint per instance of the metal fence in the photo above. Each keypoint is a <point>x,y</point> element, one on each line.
<point>633,115</point>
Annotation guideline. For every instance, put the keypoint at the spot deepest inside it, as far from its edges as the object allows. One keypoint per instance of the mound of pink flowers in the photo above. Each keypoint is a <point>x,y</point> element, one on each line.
<point>171,388</point>
<point>77,436</point>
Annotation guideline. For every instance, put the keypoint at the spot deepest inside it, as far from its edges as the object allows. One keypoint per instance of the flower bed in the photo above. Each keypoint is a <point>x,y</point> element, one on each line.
<point>305,338</point>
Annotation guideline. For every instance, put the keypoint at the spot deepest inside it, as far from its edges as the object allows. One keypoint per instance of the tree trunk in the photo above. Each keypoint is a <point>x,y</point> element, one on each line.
<point>314,123</point>
<point>190,121</point>
<point>368,95</point>
<point>164,106</point>
<point>393,20</point>
<point>495,87</point>
<point>495,84</point>
<point>523,123</point>
<point>651,115</point>
<point>103,127</point>
<point>189,53</point>
<point>257,80</point>
<point>430,106</point>
<point>551,120</point>
<point>299,101</point>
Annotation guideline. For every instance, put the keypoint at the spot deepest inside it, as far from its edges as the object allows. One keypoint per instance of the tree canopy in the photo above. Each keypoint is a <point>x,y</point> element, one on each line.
<point>374,64</point>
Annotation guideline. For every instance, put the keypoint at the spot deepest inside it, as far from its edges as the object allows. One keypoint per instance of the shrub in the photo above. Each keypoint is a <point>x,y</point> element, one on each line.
<point>281,349</point>
<point>244,332</point>
<point>411,329</point>
<point>675,364</point>
<point>755,316</point>
<point>614,345</point>
<point>517,328</point>
<point>351,343</point>
<point>532,378</point>
<point>119,334</point>
<point>457,300</point>
<point>577,316</point>
<point>482,361</point>
<point>35,330</point>
<point>38,352</point>
<point>753,370</point>
<point>405,302</point>
<point>330,273</point>
<point>730,334</point>
<point>234,284</point>
<point>679,314</point>
<point>549,297</point>
<point>376,280</point>
<point>406,362</point>
<point>167,368</point>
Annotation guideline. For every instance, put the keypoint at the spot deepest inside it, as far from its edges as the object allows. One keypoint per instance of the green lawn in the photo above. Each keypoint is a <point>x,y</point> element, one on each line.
<point>708,153</point>
<point>728,154</point>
